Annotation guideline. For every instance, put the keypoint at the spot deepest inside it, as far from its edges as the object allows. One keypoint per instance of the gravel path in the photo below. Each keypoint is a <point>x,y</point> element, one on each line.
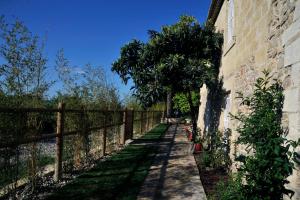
<point>174,173</point>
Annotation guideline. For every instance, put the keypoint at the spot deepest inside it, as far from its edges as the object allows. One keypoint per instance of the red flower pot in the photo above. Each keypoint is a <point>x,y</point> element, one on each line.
<point>188,133</point>
<point>190,136</point>
<point>198,148</point>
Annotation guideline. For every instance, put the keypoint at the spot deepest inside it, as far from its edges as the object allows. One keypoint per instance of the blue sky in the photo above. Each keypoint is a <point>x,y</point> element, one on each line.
<point>95,30</point>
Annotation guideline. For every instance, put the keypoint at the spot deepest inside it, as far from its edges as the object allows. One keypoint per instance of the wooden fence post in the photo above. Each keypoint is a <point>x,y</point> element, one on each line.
<point>104,136</point>
<point>153,121</point>
<point>162,119</point>
<point>124,131</point>
<point>147,120</point>
<point>59,141</point>
<point>85,133</point>
<point>141,123</point>
<point>128,126</point>
<point>123,128</point>
<point>131,124</point>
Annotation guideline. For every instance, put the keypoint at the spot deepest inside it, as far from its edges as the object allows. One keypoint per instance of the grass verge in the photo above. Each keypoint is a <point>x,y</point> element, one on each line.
<point>119,177</point>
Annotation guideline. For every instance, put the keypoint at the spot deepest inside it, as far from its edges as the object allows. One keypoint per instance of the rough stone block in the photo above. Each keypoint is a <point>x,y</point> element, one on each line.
<point>294,126</point>
<point>291,33</point>
<point>297,11</point>
<point>295,74</point>
<point>291,100</point>
<point>292,55</point>
<point>294,184</point>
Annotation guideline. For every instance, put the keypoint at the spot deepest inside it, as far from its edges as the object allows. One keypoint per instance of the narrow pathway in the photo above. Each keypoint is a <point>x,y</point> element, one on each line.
<point>174,173</point>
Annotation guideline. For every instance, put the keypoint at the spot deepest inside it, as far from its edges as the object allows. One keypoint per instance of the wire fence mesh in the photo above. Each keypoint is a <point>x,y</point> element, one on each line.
<point>38,146</point>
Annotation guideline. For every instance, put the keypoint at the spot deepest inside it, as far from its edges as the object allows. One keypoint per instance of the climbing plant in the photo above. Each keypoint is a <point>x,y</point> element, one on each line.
<point>270,155</point>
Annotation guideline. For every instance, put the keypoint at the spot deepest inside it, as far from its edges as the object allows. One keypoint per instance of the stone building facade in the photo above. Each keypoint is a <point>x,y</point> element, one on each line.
<point>258,35</point>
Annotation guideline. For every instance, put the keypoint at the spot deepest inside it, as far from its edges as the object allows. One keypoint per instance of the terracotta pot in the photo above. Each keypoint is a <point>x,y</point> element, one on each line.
<point>188,132</point>
<point>198,148</point>
<point>190,136</point>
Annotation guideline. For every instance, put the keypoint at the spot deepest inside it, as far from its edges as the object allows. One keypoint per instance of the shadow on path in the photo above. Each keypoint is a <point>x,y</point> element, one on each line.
<point>118,177</point>
<point>174,173</point>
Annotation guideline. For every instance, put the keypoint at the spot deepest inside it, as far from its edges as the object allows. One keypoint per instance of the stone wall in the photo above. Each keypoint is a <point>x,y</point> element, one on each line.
<point>289,72</point>
<point>267,36</point>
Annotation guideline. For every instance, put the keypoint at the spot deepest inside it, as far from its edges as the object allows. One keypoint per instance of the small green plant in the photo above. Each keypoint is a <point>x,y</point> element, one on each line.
<point>219,151</point>
<point>198,138</point>
<point>207,159</point>
<point>230,189</point>
<point>269,160</point>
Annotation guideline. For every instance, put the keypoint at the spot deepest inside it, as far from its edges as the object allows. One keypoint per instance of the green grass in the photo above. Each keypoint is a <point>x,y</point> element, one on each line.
<point>155,133</point>
<point>119,177</point>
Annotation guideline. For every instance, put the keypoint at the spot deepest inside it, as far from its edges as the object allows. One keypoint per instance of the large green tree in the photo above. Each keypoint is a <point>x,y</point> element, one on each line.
<point>179,58</point>
<point>137,62</point>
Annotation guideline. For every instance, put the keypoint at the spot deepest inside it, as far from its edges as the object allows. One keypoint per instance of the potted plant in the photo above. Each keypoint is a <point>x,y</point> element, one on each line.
<point>189,134</point>
<point>198,143</point>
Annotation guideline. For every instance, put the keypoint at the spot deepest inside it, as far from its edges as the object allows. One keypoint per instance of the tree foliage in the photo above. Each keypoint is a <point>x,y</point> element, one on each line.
<point>137,62</point>
<point>181,102</point>
<point>132,102</point>
<point>23,71</point>
<point>179,58</point>
<point>85,86</point>
<point>182,52</point>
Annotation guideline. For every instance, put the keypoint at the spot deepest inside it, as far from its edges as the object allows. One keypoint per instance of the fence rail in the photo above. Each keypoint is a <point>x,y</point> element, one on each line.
<point>31,138</point>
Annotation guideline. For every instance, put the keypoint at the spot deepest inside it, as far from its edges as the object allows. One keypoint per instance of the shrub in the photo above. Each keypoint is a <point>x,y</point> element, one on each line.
<point>231,189</point>
<point>269,160</point>
<point>221,149</point>
<point>207,159</point>
<point>218,155</point>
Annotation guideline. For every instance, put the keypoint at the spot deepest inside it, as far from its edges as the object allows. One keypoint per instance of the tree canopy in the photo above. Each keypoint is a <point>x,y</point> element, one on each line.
<point>180,57</point>
<point>86,86</point>
<point>23,70</point>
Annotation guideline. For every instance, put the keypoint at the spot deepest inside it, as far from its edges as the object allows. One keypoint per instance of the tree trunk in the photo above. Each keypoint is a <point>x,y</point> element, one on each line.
<point>165,109</point>
<point>193,112</point>
<point>169,104</point>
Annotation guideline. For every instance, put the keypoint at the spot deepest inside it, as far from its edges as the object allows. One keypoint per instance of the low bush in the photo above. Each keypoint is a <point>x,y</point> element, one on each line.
<point>218,154</point>
<point>230,190</point>
<point>263,172</point>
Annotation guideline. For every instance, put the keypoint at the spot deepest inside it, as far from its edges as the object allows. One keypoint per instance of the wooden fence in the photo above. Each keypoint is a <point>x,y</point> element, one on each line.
<point>82,122</point>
